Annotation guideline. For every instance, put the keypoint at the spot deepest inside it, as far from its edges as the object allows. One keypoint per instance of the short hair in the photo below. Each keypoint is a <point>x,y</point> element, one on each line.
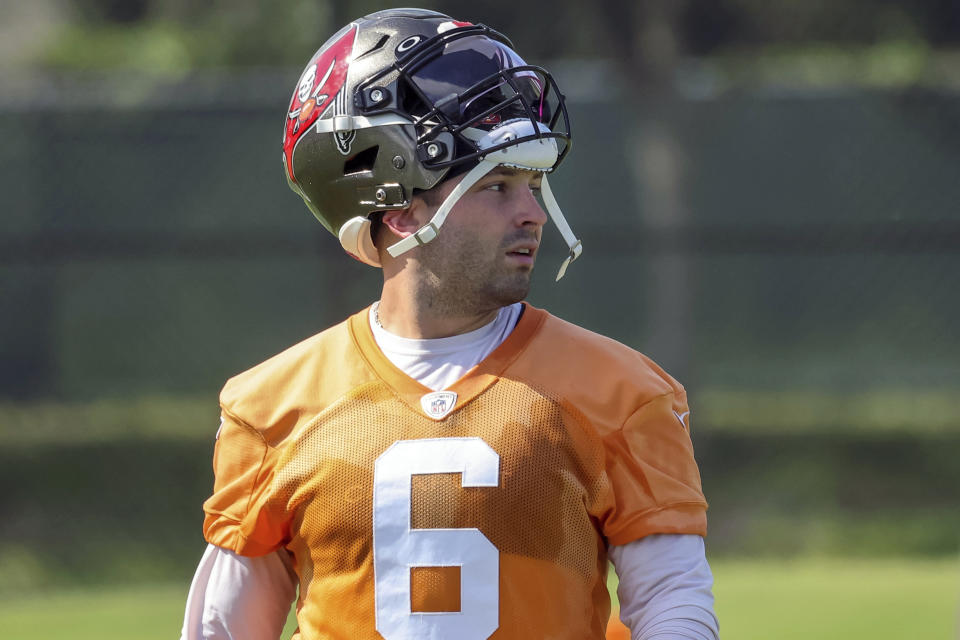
<point>430,196</point>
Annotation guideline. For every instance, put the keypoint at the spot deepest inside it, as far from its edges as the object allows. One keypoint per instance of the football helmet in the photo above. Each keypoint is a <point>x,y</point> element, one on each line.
<point>399,100</point>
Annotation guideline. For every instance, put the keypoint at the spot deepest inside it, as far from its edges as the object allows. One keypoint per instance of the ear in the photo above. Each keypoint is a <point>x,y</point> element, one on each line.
<point>404,222</point>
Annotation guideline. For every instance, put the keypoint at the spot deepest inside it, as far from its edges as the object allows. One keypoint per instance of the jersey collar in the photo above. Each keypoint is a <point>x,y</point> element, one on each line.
<point>472,384</point>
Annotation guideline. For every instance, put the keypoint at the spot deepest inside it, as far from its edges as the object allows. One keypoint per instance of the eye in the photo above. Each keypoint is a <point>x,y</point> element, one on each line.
<point>494,186</point>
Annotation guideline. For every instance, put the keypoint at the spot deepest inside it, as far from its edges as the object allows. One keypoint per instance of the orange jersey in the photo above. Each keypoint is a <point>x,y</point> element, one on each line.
<point>481,515</point>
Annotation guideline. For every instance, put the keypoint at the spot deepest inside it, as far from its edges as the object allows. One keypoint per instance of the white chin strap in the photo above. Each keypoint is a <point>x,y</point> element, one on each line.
<point>573,243</point>
<point>534,155</point>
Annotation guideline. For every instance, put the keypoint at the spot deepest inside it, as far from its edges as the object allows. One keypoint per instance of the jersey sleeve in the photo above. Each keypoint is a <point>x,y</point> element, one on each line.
<point>653,474</point>
<point>238,516</point>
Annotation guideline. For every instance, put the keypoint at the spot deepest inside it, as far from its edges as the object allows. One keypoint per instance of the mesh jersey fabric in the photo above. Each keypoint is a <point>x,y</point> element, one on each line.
<point>591,450</point>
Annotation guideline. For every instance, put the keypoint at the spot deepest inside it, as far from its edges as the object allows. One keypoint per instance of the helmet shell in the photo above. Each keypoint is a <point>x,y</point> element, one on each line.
<point>338,174</point>
<point>396,100</point>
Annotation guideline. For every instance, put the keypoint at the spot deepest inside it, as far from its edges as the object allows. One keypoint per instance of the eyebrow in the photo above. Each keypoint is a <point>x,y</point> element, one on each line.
<point>513,171</point>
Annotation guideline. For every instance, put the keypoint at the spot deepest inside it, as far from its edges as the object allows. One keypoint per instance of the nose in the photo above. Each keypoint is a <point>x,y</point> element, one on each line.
<point>528,212</point>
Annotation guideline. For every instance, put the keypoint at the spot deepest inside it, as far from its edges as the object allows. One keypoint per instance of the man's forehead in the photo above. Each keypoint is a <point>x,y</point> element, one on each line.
<point>515,171</point>
<point>441,190</point>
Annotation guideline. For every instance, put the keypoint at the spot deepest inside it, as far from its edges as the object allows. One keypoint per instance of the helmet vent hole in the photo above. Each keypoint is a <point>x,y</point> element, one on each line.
<point>361,162</point>
<point>382,41</point>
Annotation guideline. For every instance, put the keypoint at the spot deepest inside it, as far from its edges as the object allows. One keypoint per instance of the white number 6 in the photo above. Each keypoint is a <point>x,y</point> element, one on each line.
<point>397,548</point>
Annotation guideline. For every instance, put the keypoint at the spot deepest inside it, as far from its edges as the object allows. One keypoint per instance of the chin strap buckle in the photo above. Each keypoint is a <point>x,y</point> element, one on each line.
<point>575,252</point>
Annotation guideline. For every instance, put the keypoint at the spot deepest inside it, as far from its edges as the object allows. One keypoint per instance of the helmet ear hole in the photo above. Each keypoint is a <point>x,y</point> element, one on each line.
<point>362,162</point>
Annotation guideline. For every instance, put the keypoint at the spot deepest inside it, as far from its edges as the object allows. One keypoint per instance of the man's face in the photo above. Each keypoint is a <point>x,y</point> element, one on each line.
<point>484,254</point>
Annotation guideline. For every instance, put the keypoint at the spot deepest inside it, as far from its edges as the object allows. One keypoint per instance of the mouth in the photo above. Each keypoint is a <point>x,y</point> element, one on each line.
<point>524,254</point>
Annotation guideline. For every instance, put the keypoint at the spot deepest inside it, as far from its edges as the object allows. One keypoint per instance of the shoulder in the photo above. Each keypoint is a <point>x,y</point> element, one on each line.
<point>590,355</point>
<point>287,366</point>
<point>295,384</point>
<point>596,373</point>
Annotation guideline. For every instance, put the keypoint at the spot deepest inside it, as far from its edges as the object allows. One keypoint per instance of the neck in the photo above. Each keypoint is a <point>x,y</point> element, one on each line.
<point>420,317</point>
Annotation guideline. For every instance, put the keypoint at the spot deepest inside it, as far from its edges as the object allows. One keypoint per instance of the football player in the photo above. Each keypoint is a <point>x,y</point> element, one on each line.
<point>450,462</point>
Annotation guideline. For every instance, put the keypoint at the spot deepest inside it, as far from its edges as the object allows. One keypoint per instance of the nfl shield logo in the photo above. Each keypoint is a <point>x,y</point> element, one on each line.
<point>438,404</point>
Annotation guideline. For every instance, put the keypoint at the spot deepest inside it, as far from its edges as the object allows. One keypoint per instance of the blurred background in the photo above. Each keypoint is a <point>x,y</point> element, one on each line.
<point>768,195</point>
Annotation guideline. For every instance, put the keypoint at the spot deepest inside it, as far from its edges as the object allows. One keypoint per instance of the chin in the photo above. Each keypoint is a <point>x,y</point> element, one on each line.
<point>514,291</point>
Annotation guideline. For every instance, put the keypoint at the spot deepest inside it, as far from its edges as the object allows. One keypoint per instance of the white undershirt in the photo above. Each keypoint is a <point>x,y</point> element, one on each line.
<point>665,581</point>
<point>437,363</point>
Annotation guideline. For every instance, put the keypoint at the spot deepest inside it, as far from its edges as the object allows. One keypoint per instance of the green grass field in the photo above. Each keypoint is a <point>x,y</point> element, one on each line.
<point>822,599</point>
<point>831,599</point>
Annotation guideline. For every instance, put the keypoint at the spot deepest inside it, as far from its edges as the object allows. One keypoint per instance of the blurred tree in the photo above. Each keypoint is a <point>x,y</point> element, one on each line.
<point>264,33</point>
<point>117,11</point>
<point>714,26</point>
<point>176,36</point>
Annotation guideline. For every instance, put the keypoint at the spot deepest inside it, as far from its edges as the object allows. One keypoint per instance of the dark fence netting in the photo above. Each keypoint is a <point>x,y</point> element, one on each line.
<point>792,256</point>
<point>758,241</point>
